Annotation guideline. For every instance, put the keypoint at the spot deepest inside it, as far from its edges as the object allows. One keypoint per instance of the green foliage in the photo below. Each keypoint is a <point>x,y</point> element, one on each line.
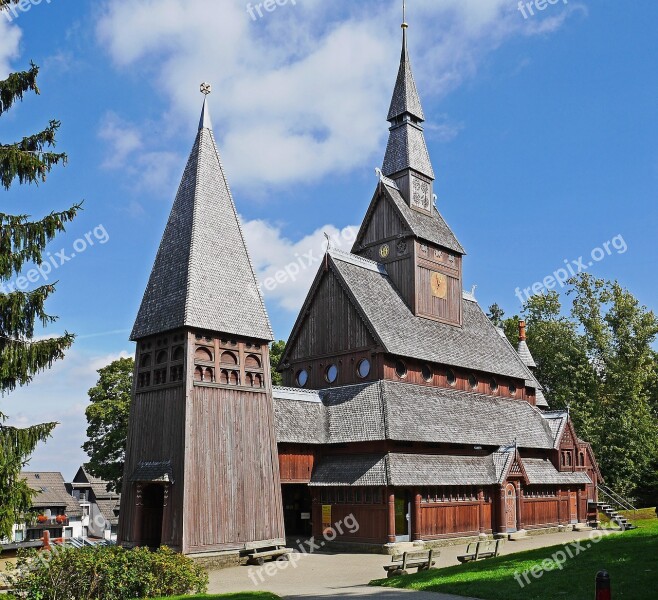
<point>14,87</point>
<point>22,241</point>
<point>106,573</point>
<point>276,352</point>
<point>631,558</point>
<point>599,361</point>
<point>15,495</point>
<point>107,418</point>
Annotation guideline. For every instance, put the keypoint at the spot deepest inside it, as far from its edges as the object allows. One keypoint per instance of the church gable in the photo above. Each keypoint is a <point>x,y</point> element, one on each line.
<point>329,323</point>
<point>382,223</point>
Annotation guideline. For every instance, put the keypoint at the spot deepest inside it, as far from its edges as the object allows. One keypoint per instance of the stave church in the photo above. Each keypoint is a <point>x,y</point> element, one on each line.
<point>403,405</point>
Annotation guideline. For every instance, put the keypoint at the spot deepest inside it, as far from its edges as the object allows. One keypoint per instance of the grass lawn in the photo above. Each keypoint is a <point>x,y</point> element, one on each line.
<point>238,596</point>
<point>631,558</point>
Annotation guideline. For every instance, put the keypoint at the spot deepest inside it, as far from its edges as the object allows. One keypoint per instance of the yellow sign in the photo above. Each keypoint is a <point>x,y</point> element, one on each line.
<point>326,517</point>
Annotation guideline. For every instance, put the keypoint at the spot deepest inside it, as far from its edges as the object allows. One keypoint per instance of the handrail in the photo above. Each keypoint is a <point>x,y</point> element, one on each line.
<point>616,498</point>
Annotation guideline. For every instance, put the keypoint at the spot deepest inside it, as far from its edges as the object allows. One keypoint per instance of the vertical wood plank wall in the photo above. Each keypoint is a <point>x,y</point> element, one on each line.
<point>232,484</point>
<point>156,433</point>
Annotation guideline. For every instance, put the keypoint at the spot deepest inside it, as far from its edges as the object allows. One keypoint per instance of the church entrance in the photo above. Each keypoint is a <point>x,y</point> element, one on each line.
<point>573,507</point>
<point>510,507</point>
<point>402,516</point>
<point>151,518</point>
<point>297,509</point>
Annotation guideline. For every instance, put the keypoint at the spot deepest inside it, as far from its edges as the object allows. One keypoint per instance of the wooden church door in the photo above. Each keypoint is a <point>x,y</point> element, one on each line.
<point>510,506</point>
<point>573,507</point>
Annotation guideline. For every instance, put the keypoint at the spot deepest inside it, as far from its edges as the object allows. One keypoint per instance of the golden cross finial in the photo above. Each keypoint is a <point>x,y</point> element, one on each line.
<point>206,88</point>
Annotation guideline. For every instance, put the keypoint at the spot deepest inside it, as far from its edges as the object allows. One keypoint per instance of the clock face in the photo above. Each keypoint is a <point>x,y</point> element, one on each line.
<point>384,251</point>
<point>439,283</point>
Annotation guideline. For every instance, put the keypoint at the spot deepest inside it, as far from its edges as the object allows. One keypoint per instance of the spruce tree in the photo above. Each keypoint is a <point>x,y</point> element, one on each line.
<point>23,241</point>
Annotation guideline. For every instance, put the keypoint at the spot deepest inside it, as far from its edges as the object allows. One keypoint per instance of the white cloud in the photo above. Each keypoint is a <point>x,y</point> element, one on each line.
<point>286,268</point>
<point>144,168</point>
<point>10,36</point>
<point>59,394</point>
<point>303,92</point>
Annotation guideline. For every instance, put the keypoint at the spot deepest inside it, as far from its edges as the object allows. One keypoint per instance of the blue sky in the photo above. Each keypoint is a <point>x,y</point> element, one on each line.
<point>542,131</point>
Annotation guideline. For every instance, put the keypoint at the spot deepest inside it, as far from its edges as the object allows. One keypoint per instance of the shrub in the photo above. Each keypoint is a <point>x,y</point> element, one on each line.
<point>105,573</point>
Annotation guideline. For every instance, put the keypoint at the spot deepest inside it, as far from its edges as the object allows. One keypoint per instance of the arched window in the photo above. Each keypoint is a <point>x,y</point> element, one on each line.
<point>252,362</point>
<point>223,378</point>
<point>451,378</point>
<point>177,354</point>
<point>234,378</point>
<point>208,375</point>
<point>145,361</point>
<point>258,381</point>
<point>161,357</point>
<point>198,374</point>
<point>228,358</point>
<point>203,354</point>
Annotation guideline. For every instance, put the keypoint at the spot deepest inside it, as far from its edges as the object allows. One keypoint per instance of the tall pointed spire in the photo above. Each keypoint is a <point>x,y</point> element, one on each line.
<point>202,276</point>
<point>406,153</point>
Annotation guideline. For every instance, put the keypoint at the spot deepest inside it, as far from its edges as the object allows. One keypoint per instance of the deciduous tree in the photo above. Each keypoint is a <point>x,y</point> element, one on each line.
<point>107,418</point>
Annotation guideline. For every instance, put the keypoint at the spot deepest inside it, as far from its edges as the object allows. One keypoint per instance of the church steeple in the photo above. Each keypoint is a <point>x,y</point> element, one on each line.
<point>407,160</point>
<point>202,265</point>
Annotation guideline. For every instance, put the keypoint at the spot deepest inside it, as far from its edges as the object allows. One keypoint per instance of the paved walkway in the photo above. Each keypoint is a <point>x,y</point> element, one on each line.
<point>325,575</point>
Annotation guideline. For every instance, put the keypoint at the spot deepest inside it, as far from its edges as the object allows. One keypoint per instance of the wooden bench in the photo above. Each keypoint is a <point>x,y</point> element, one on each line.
<point>257,555</point>
<point>422,560</point>
<point>480,550</point>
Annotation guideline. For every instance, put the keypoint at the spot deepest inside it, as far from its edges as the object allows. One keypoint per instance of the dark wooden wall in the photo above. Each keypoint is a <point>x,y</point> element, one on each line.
<point>296,463</point>
<point>433,259</point>
<point>156,433</point>
<point>232,485</point>
<point>331,325</point>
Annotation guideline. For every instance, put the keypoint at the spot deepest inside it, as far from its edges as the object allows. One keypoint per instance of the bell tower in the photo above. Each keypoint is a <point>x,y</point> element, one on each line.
<point>201,471</point>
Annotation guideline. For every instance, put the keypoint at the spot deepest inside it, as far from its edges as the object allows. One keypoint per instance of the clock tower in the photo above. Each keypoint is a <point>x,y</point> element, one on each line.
<point>403,228</point>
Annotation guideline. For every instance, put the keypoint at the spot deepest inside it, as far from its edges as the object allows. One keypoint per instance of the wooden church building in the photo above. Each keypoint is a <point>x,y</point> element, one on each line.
<point>404,406</point>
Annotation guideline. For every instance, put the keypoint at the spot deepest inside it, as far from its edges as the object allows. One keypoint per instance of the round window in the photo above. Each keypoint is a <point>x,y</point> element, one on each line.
<point>512,389</point>
<point>400,369</point>
<point>473,382</point>
<point>493,384</point>
<point>363,368</point>
<point>302,377</point>
<point>331,374</point>
<point>450,377</point>
<point>426,372</point>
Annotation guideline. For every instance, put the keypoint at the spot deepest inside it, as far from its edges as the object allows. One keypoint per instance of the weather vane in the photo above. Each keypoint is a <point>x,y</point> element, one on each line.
<point>206,88</point>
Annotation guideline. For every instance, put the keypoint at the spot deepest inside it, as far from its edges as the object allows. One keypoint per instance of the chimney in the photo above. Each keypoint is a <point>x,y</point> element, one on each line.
<point>522,331</point>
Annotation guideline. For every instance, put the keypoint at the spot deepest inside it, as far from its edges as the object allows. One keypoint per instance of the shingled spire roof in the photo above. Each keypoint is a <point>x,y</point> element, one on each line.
<point>406,146</point>
<point>202,276</point>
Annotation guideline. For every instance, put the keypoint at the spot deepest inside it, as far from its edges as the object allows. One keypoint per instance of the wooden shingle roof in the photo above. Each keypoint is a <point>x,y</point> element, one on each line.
<point>202,263</point>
